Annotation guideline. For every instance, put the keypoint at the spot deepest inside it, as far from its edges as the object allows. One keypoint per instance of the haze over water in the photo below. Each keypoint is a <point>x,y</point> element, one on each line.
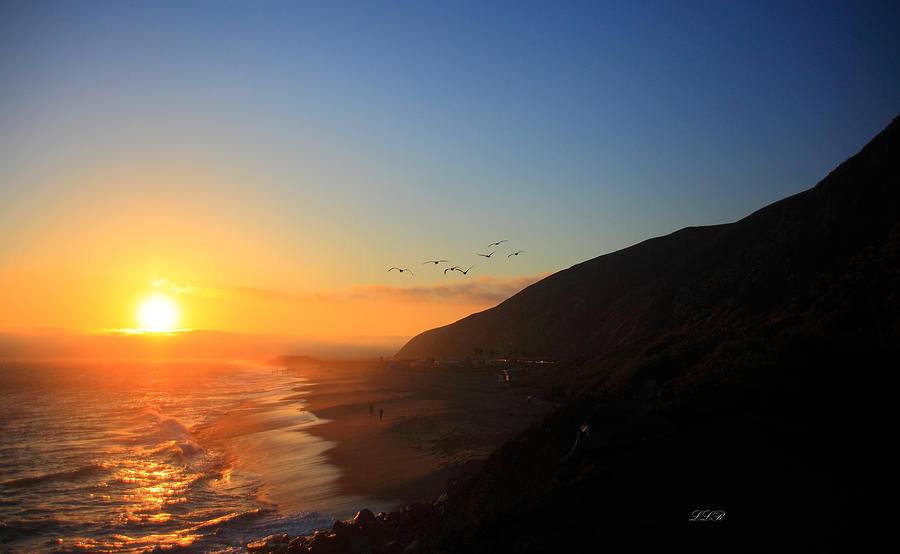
<point>100,456</point>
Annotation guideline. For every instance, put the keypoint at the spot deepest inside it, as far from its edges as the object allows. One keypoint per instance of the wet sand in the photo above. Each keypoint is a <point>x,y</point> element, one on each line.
<point>434,420</point>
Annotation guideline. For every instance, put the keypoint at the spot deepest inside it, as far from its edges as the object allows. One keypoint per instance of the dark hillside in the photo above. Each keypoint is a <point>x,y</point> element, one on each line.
<point>766,393</point>
<point>745,369</point>
<point>784,263</point>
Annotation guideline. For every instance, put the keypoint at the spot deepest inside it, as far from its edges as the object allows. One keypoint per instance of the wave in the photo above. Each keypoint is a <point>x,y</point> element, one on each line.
<point>174,476</point>
<point>67,475</point>
<point>168,435</point>
<point>294,524</point>
<point>226,533</point>
<point>178,449</point>
<point>239,528</point>
<point>228,519</point>
<point>173,427</point>
<point>35,534</point>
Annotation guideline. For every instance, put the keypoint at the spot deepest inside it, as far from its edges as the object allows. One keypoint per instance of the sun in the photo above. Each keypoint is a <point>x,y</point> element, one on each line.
<point>158,313</point>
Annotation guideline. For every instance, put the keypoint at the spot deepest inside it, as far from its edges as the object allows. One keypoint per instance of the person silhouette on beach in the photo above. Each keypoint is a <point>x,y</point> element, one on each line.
<point>380,414</point>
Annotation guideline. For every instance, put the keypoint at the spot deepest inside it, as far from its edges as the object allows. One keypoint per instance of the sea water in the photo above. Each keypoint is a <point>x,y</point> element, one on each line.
<point>176,456</point>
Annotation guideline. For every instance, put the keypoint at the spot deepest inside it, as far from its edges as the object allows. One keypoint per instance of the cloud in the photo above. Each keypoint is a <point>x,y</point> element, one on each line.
<point>175,288</point>
<point>268,294</point>
<point>478,291</point>
<point>261,293</point>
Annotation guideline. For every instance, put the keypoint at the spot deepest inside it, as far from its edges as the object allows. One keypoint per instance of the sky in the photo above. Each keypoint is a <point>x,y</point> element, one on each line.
<point>263,164</point>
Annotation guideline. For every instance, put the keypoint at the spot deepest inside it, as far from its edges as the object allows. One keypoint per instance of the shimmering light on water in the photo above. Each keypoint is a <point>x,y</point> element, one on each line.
<point>136,456</point>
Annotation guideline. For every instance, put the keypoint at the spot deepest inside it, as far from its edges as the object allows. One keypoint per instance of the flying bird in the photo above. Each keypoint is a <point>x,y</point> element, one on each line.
<point>435,262</point>
<point>466,272</point>
<point>401,270</point>
<point>486,255</point>
<point>497,243</point>
<point>515,253</point>
<point>450,269</point>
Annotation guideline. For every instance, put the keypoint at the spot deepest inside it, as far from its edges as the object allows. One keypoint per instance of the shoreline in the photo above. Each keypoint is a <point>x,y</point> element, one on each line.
<point>434,421</point>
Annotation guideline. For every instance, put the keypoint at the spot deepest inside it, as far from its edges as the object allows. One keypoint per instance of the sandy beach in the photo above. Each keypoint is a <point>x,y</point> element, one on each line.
<point>433,421</point>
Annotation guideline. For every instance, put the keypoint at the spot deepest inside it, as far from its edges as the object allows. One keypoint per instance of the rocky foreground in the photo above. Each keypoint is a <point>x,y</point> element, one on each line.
<point>401,531</point>
<point>416,527</point>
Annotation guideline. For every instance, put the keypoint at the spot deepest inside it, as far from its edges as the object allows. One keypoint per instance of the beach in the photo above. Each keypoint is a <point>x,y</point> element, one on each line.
<point>211,455</point>
<point>433,422</point>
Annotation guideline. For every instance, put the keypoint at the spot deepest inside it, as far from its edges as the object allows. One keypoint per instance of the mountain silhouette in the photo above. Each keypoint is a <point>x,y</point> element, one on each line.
<point>724,389</point>
<point>744,368</point>
<point>820,254</point>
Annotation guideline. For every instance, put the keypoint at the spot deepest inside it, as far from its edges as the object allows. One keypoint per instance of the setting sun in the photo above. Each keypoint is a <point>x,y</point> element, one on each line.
<point>158,313</point>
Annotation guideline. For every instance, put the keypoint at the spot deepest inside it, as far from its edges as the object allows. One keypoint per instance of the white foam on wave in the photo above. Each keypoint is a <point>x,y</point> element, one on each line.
<point>234,531</point>
<point>170,435</point>
<point>173,427</point>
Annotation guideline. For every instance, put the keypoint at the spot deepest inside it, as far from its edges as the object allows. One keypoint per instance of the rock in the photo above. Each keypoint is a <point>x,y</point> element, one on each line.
<point>324,542</point>
<point>268,543</point>
<point>341,527</point>
<point>364,517</point>
<point>469,469</point>
<point>327,547</point>
<point>298,544</point>
<point>416,510</point>
<point>340,544</point>
<point>357,545</point>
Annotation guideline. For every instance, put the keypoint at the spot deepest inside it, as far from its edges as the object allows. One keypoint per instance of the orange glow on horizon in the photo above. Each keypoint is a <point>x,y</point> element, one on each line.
<point>222,266</point>
<point>58,300</point>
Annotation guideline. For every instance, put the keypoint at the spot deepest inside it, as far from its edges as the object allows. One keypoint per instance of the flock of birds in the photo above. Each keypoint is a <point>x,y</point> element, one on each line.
<point>456,267</point>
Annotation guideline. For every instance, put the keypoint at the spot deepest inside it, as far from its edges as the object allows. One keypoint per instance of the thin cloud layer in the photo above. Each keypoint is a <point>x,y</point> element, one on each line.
<point>483,290</point>
<point>260,293</point>
<point>479,291</point>
<point>174,288</point>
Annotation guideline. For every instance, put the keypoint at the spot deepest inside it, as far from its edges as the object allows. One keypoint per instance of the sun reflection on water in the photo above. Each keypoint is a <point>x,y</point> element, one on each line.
<point>143,456</point>
<point>155,486</point>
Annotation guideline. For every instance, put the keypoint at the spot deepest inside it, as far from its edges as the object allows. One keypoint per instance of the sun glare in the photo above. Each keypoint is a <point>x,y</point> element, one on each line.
<point>158,313</point>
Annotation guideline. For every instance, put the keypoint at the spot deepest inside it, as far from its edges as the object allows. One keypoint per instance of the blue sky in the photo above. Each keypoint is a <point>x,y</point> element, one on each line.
<point>363,135</point>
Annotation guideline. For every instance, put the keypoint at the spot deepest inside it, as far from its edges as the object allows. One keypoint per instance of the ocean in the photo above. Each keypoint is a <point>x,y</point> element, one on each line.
<point>128,456</point>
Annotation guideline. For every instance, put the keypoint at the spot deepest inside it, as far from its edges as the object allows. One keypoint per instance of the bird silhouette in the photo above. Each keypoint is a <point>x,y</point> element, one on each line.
<point>450,269</point>
<point>401,270</point>
<point>497,243</point>
<point>435,262</point>
<point>466,272</point>
<point>486,255</point>
<point>515,253</point>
